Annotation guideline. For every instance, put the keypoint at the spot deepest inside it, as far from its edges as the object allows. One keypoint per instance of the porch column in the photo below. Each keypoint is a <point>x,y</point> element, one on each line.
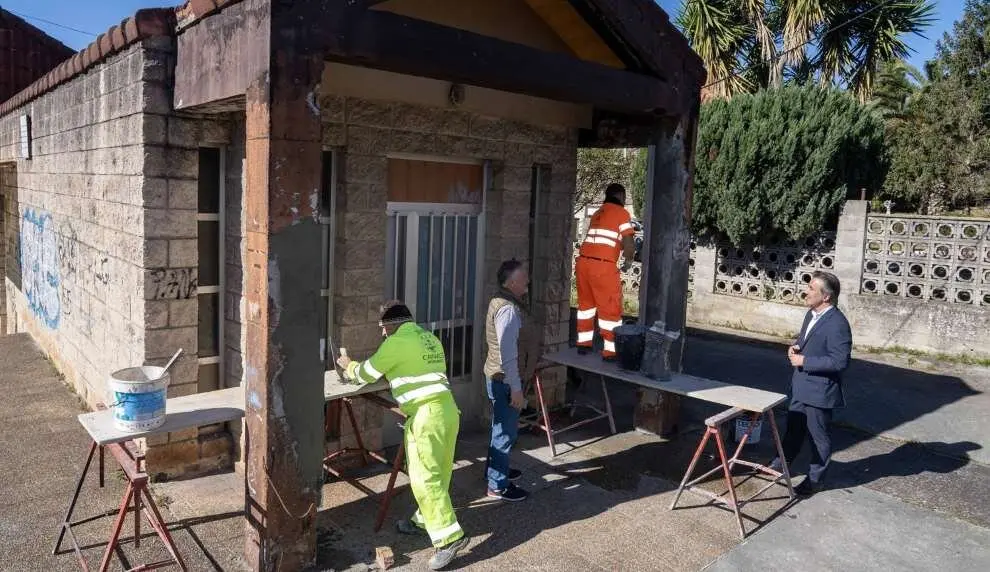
<point>282,273</point>
<point>663,288</point>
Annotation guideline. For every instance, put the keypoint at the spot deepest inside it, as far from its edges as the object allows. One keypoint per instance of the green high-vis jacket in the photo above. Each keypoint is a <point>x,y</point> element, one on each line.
<point>413,362</point>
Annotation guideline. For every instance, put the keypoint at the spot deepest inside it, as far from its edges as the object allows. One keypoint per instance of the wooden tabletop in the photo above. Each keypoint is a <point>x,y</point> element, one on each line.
<point>180,413</point>
<point>334,388</point>
<point>747,398</point>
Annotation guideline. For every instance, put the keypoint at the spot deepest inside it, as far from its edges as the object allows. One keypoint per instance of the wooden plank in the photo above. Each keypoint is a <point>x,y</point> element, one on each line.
<point>746,398</point>
<point>390,42</point>
<point>334,388</point>
<point>180,413</point>
<point>716,420</point>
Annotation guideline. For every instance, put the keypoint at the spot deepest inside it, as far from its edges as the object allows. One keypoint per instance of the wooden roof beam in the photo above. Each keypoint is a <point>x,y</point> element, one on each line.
<point>390,42</point>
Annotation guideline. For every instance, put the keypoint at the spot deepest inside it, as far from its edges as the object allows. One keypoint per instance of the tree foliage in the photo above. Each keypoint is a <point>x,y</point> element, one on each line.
<point>749,45</point>
<point>782,161</point>
<point>898,83</point>
<point>596,169</point>
<point>637,181</point>
<point>940,144</point>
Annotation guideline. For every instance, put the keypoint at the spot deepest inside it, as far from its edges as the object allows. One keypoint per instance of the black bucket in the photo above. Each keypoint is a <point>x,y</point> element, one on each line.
<point>629,345</point>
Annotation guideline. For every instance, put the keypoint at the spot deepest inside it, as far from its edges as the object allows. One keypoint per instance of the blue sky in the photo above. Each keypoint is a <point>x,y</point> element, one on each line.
<point>96,16</point>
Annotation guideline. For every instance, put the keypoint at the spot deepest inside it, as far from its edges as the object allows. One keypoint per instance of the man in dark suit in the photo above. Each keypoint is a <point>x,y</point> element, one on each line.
<point>819,356</point>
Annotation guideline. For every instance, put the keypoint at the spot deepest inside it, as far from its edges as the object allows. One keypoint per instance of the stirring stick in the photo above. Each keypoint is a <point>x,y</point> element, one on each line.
<point>170,362</point>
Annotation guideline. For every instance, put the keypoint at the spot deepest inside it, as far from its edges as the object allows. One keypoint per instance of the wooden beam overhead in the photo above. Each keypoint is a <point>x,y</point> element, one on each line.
<point>386,41</point>
<point>565,21</point>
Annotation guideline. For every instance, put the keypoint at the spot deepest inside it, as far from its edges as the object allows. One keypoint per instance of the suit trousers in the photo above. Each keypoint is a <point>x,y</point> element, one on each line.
<point>804,421</point>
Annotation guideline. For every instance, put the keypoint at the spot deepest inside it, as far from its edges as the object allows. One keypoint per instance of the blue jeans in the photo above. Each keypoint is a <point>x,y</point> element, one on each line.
<point>505,429</point>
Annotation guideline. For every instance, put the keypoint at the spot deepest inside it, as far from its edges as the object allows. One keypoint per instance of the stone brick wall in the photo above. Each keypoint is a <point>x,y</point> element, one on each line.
<point>366,132</point>
<point>234,327</point>
<point>76,216</point>
<point>101,234</point>
<point>6,178</point>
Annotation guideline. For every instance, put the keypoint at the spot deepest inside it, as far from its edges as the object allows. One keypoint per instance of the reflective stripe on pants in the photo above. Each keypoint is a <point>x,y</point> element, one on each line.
<point>430,438</point>
<point>599,288</point>
<point>585,323</point>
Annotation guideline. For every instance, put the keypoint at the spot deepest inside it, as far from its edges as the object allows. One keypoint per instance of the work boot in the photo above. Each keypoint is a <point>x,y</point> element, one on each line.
<point>444,555</point>
<point>514,475</point>
<point>582,350</point>
<point>407,526</point>
<point>610,359</point>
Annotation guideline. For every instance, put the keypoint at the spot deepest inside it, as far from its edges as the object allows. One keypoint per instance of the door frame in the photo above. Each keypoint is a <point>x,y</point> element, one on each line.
<point>414,210</point>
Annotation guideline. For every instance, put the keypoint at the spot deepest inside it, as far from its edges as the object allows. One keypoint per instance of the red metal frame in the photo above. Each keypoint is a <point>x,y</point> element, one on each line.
<point>132,463</point>
<point>541,419</point>
<point>396,463</point>
<point>713,426</point>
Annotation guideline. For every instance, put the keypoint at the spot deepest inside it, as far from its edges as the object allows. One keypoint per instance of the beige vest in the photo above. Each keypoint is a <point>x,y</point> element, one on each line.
<point>529,340</point>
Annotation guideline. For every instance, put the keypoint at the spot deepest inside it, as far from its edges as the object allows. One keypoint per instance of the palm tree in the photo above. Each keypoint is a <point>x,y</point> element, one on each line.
<point>751,44</point>
<point>896,86</point>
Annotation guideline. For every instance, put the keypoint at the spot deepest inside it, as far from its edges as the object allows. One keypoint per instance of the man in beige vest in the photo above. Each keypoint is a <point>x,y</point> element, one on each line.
<point>511,359</point>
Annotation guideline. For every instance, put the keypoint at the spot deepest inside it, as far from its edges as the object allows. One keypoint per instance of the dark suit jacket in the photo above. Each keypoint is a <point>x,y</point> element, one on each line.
<point>826,352</point>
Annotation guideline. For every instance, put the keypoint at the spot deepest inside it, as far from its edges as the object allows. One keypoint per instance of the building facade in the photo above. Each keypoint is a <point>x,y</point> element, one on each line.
<point>249,181</point>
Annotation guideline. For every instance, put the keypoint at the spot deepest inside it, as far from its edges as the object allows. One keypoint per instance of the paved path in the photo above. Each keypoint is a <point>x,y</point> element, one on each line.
<point>601,506</point>
<point>940,404</point>
<point>43,449</point>
<point>861,530</point>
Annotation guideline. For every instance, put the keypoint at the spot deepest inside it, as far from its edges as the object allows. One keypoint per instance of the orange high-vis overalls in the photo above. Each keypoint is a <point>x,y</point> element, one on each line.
<point>599,291</point>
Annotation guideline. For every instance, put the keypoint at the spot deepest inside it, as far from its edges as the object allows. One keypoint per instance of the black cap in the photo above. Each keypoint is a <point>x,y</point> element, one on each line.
<point>394,312</point>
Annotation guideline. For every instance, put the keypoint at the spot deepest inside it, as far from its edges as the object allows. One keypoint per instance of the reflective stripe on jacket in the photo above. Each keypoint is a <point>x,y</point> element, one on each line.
<point>608,226</point>
<point>413,362</point>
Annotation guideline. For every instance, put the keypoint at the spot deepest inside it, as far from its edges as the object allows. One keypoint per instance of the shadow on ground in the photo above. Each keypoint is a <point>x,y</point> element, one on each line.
<point>882,399</point>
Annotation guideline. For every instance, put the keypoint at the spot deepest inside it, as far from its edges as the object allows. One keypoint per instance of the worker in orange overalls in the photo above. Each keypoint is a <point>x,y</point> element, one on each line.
<point>599,291</point>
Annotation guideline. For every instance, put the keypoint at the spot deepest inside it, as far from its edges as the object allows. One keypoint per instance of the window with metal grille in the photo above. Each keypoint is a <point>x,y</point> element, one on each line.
<point>538,233</point>
<point>210,223</point>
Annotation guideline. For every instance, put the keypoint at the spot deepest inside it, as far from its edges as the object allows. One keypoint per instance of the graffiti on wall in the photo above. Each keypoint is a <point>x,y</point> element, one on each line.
<point>174,284</point>
<point>39,266</point>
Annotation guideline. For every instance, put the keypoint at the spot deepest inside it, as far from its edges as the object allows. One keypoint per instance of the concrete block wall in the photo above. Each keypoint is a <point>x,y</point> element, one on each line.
<point>171,279</point>
<point>234,328</point>
<point>6,177</point>
<point>366,132</point>
<point>76,256</point>
<point>102,235</point>
<point>850,238</point>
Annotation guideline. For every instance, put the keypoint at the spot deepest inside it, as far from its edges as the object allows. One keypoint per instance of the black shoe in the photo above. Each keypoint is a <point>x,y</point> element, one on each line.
<point>583,351</point>
<point>511,493</point>
<point>610,359</point>
<point>514,475</point>
<point>807,488</point>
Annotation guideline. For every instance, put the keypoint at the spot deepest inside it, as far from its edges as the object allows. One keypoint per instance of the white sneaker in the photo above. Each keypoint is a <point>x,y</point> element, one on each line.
<point>444,555</point>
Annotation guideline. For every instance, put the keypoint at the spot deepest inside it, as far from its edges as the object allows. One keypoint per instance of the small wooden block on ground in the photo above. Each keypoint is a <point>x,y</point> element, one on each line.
<point>384,557</point>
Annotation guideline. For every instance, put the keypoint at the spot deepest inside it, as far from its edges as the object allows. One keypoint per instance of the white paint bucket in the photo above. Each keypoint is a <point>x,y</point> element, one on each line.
<point>139,395</point>
<point>742,424</point>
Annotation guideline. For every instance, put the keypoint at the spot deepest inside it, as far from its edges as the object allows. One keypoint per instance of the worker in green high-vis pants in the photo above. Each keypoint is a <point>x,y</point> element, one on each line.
<point>413,362</point>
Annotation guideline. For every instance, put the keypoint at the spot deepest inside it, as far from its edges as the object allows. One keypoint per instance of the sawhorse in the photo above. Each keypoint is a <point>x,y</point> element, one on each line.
<point>713,426</point>
<point>345,403</point>
<point>132,463</point>
<point>541,418</point>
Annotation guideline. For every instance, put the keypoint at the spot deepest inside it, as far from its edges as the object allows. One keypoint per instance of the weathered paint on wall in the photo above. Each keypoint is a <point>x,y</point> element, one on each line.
<point>39,266</point>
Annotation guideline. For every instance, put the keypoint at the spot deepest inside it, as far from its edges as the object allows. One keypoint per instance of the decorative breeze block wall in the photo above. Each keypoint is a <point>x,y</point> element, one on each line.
<point>776,271</point>
<point>928,258</point>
